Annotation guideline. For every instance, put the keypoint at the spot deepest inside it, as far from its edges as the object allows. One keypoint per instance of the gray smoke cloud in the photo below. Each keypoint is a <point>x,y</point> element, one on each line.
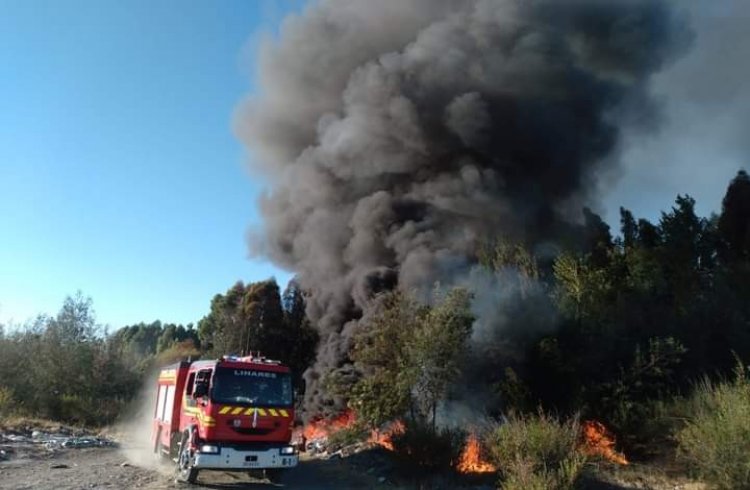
<point>397,135</point>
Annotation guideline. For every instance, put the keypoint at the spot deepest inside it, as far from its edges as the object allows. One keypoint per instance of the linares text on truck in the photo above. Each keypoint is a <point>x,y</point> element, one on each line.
<point>230,414</point>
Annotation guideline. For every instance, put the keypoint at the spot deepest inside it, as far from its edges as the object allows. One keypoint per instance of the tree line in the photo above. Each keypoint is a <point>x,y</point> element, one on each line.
<point>607,326</point>
<point>68,367</point>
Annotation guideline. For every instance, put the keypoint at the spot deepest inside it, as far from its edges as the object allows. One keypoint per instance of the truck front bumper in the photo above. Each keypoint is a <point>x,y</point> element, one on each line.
<point>238,458</point>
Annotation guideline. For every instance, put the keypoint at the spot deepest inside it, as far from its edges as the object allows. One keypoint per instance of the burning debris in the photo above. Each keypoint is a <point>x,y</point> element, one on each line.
<point>599,442</point>
<point>322,428</point>
<point>317,432</point>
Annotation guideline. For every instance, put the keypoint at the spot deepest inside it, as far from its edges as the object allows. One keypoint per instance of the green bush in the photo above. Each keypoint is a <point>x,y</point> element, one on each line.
<point>77,409</point>
<point>715,441</point>
<point>7,403</point>
<point>88,411</point>
<point>537,452</point>
<point>421,449</point>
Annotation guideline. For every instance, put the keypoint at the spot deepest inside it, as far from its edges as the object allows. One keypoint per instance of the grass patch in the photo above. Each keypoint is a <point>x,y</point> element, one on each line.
<point>537,453</point>
<point>7,403</point>
<point>21,424</point>
<point>715,441</point>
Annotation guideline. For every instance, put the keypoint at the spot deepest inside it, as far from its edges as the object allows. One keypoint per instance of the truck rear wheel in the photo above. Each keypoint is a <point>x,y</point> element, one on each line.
<point>185,470</point>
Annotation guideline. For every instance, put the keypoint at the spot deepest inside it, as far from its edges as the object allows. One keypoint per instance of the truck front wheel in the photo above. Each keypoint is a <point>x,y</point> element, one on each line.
<point>274,475</point>
<point>185,470</point>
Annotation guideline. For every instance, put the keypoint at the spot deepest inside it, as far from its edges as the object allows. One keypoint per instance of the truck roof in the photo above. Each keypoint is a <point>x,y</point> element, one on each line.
<point>176,365</point>
<point>233,362</point>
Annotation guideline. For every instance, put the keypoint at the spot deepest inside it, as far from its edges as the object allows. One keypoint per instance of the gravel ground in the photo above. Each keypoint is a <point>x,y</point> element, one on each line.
<point>110,468</point>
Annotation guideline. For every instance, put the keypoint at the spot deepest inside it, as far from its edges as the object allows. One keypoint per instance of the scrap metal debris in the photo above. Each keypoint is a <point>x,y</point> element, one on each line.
<point>27,442</point>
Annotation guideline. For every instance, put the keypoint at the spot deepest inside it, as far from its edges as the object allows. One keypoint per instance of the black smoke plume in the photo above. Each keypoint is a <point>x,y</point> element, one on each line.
<point>397,135</point>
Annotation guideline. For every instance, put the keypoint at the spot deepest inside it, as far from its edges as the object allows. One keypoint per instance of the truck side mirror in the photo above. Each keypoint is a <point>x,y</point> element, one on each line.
<point>201,390</point>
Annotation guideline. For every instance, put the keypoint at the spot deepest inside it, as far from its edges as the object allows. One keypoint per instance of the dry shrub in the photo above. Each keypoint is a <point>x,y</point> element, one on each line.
<point>7,403</point>
<point>347,436</point>
<point>537,452</point>
<point>421,449</point>
<point>715,442</point>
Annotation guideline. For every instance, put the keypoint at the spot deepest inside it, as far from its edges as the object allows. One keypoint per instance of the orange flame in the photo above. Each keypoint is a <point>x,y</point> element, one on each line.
<point>599,442</point>
<point>383,438</point>
<point>322,428</point>
<point>471,458</point>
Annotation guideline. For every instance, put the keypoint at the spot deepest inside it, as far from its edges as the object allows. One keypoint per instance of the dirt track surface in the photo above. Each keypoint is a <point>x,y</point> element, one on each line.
<point>109,468</point>
<point>28,465</point>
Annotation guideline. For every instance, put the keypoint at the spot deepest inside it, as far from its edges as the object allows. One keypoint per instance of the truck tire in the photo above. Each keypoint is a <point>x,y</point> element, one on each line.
<point>185,470</point>
<point>174,446</point>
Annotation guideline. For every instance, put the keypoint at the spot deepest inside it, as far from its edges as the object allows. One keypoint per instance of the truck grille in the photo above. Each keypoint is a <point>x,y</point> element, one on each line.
<point>253,432</point>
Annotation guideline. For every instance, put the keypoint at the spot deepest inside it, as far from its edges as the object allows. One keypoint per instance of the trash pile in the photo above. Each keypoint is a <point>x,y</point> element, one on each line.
<point>317,446</point>
<point>26,441</point>
<point>81,442</point>
<point>320,448</point>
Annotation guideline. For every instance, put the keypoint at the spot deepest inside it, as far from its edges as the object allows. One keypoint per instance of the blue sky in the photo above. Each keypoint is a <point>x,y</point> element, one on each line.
<point>119,174</point>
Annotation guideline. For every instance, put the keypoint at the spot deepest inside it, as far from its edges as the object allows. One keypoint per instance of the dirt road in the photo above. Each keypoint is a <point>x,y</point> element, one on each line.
<point>110,468</point>
<point>30,461</point>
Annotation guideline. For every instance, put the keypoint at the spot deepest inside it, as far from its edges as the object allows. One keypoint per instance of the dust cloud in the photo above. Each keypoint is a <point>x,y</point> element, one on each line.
<point>134,432</point>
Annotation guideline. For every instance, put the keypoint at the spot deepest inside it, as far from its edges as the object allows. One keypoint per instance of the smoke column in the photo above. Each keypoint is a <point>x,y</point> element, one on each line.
<point>397,135</point>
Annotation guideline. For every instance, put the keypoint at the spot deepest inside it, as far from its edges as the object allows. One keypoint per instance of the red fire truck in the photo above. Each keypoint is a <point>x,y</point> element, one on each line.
<point>234,413</point>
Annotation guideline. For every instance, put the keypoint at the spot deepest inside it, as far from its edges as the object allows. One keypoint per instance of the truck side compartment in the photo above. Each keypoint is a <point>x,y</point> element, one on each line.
<point>170,390</point>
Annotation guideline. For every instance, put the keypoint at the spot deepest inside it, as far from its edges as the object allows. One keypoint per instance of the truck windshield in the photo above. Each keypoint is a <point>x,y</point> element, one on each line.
<point>252,387</point>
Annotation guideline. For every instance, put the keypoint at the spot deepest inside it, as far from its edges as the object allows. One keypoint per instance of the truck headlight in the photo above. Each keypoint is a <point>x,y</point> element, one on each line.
<point>287,450</point>
<point>207,448</point>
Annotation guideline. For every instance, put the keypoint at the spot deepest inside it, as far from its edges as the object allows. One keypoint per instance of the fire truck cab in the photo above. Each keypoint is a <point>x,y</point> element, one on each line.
<point>234,413</point>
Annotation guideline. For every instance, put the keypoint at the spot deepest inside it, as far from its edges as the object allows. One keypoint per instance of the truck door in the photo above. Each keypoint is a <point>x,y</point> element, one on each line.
<point>198,382</point>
